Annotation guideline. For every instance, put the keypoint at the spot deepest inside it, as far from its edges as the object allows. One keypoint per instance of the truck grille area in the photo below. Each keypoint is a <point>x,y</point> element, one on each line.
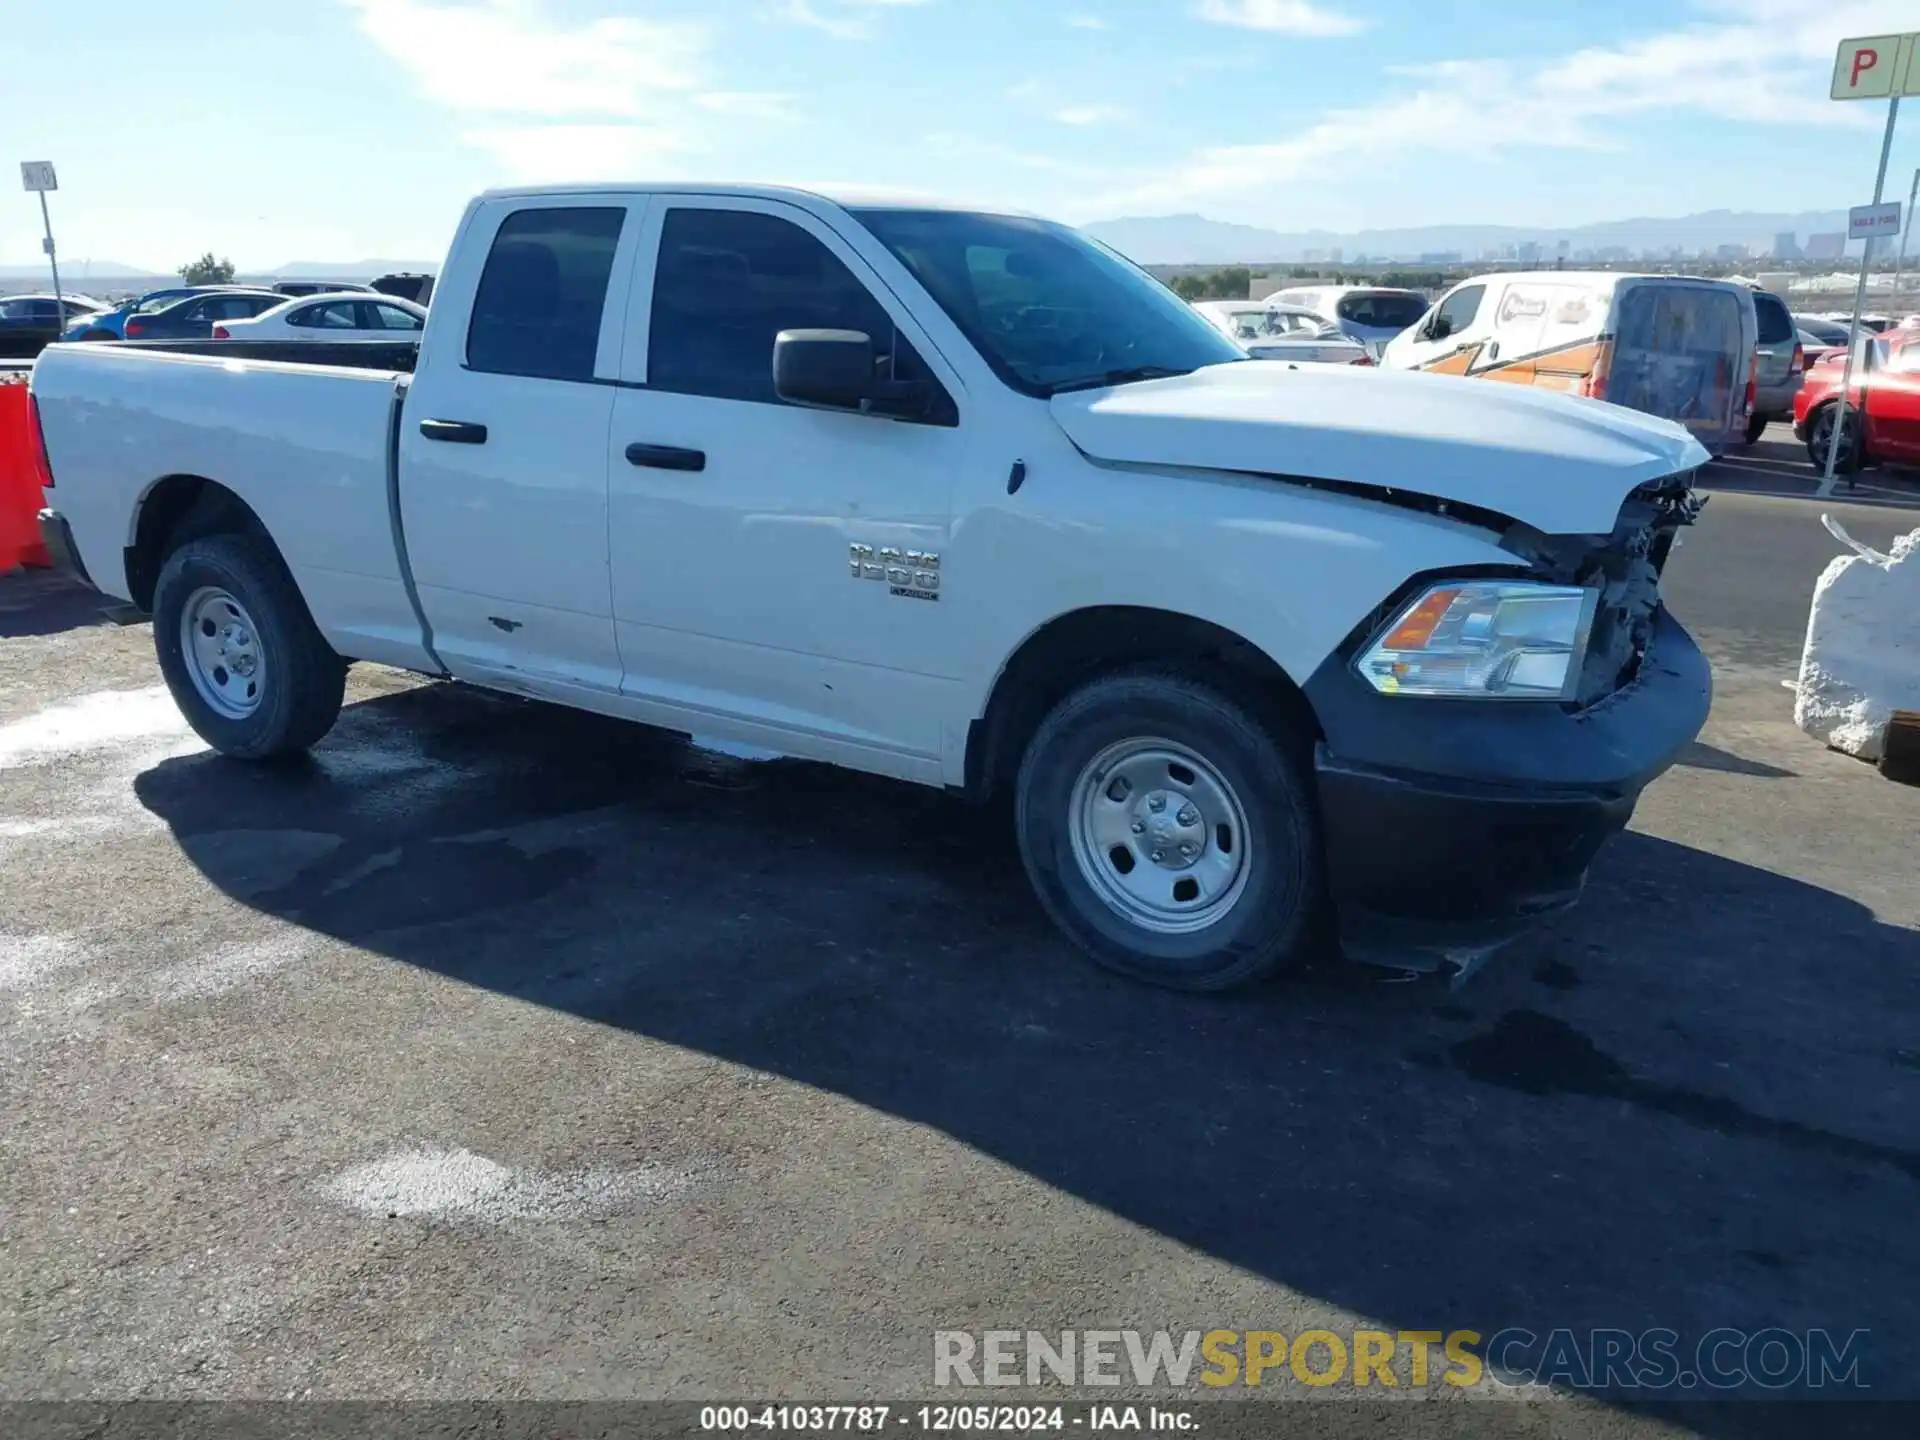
<point>1625,567</point>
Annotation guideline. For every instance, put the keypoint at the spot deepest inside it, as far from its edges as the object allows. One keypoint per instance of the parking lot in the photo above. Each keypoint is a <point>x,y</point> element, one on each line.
<point>502,1051</point>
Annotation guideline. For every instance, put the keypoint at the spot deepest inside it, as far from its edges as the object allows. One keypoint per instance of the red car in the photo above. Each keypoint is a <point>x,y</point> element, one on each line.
<point>1886,382</point>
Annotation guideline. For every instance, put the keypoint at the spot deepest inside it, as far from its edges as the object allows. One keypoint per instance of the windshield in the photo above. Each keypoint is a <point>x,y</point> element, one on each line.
<point>160,301</point>
<point>1047,307</point>
<point>1382,309</point>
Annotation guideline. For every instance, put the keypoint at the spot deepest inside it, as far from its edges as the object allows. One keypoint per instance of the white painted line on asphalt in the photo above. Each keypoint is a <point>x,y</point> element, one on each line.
<point>461,1184</point>
<point>100,721</point>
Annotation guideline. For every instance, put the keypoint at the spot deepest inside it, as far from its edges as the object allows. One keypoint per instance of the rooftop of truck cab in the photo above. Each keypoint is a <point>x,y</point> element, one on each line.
<point>847,197</point>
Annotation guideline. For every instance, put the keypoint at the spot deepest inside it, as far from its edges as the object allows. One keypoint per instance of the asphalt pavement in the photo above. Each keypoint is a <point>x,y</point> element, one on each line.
<point>504,1052</point>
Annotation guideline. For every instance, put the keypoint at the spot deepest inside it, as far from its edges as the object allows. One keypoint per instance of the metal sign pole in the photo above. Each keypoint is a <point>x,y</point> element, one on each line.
<point>1906,229</point>
<point>1859,300</point>
<point>59,309</point>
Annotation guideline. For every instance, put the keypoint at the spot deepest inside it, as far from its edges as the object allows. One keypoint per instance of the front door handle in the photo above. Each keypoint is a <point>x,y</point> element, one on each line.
<point>666,457</point>
<point>454,432</point>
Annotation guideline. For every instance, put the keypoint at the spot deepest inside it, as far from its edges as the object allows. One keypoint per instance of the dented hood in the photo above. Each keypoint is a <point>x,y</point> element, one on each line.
<point>1561,464</point>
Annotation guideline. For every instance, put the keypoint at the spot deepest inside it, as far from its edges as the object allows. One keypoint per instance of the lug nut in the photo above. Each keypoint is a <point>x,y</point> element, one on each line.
<point>1158,856</point>
<point>1139,827</point>
<point>1188,815</point>
<point>1187,851</point>
<point>1157,804</point>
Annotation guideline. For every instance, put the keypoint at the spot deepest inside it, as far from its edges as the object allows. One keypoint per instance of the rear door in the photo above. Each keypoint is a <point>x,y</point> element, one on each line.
<point>503,444</point>
<point>1682,351</point>
<point>1777,339</point>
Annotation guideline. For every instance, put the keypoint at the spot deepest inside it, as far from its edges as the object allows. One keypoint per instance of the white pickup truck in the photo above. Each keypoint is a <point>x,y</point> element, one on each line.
<point>950,495</point>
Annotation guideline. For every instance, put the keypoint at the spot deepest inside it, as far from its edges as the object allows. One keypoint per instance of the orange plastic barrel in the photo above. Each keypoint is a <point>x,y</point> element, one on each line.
<point>20,499</point>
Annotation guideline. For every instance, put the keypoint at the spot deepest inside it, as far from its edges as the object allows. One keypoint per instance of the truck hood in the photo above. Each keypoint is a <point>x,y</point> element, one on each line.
<point>1561,464</point>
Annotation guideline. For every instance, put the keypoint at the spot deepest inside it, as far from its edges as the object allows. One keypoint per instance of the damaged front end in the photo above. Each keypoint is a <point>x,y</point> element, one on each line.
<point>1625,567</point>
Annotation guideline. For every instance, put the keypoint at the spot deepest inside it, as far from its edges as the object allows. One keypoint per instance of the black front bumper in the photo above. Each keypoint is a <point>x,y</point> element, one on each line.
<point>1452,826</point>
<point>57,536</point>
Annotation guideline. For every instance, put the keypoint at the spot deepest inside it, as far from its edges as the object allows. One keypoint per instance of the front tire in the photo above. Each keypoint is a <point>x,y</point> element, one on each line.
<point>241,654</point>
<point>1170,833</point>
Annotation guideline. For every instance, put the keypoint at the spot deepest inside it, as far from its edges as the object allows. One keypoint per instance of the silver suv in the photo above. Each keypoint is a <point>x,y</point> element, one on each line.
<point>1781,367</point>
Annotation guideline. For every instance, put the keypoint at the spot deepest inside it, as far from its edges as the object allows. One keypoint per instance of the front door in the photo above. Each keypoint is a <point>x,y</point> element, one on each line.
<point>777,569</point>
<point>1447,341</point>
<point>503,446</point>
<point>1893,406</point>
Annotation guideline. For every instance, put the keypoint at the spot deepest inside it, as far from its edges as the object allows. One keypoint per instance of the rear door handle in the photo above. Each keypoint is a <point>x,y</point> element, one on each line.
<point>666,457</point>
<point>454,432</point>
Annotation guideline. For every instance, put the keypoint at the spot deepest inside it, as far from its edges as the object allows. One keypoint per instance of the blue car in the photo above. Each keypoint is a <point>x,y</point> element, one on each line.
<point>112,324</point>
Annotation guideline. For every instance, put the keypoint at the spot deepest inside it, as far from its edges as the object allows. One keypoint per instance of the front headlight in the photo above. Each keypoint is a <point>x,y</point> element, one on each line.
<point>1485,639</point>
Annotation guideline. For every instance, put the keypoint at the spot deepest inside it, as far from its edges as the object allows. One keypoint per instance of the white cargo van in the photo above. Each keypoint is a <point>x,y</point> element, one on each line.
<point>1673,346</point>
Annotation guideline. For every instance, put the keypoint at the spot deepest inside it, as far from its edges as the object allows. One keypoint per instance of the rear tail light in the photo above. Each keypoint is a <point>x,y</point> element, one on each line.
<point>220,333</point>
<point>1799,365</point>
<point>1753,384</point>
<point>37,444</point>
<point>1362,360</point>
<point>1594,386</point>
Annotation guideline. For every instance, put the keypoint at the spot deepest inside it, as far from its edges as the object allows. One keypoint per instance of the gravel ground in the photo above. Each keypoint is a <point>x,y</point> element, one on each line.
<point>502,1052</point>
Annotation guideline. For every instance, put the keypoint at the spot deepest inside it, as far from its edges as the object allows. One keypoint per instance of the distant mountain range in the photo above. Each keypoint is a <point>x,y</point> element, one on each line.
<point>1196,240</point>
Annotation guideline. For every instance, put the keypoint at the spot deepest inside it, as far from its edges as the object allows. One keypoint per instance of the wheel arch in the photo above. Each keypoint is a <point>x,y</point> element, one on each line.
<point>1081,645</point>
<point>177,508</point>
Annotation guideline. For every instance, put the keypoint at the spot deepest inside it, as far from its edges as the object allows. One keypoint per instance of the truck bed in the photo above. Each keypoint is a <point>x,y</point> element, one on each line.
<point>308,447</point>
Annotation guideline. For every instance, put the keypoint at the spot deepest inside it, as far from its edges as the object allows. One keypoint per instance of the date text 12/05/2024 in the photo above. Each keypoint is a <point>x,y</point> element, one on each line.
<point>944,1419</point>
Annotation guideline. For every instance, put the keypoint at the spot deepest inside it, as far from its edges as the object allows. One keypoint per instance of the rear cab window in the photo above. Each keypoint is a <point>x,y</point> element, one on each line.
<point>538,308</point>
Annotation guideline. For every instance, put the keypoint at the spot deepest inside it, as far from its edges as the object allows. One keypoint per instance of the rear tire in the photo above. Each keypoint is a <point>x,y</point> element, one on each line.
<point>1820,432</point>
<point>1170,833</point>
<point>1756,427</point>
<point>240,652</point>
<point>99,335</point>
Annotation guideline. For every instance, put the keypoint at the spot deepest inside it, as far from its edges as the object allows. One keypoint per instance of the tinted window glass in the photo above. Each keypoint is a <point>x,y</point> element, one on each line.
<point>728,281</point>
<point>1776,326</point>
<point>1458,309</point>
<point>1384,309</point>
<point>1047,307</point>
<point>334,315</point>
<point>387,317</point>
<point>537,309</point>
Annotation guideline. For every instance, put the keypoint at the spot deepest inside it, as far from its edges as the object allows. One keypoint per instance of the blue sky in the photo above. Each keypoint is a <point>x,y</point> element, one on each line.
<point>274,131</point>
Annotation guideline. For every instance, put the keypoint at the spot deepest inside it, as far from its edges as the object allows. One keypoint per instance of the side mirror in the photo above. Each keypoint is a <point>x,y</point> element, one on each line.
<point>824,367</point>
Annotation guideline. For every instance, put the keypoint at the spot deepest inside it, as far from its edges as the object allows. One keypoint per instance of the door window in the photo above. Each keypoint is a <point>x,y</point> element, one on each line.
<point>729,281</point>
<point>538,306</point>
<point>375,316</point>
<point>1457,311</point>
<point>334,315</point>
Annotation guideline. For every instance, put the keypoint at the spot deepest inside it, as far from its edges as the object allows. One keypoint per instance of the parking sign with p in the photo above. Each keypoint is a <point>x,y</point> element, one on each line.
<point>1874,67</point>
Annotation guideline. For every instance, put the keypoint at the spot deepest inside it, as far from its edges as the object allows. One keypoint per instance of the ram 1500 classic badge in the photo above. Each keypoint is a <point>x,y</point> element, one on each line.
<point>912,573</point>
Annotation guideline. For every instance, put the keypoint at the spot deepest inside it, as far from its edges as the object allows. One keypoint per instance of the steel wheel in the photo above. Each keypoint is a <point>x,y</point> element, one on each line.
<point>221,647</point>
<point>1160,836</point>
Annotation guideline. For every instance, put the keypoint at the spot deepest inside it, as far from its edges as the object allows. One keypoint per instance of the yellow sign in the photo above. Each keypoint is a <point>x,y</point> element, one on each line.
<point>1874,67</point>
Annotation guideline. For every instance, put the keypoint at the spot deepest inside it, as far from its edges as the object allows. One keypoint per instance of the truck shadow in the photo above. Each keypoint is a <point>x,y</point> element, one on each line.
<point>1685,1106</point>
<point>46,602</point>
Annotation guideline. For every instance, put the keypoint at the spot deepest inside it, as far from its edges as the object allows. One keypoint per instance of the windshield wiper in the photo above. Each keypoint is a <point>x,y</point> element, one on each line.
<point>1118,377</point>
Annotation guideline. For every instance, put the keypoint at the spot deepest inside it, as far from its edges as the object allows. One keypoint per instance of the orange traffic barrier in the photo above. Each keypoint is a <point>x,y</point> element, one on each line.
<point>20,500</point>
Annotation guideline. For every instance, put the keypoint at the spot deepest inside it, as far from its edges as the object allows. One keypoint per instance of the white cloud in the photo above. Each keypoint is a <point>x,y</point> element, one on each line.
<point>1288,17</point>
<point>1758,61</point>
<point>1086,22</point>
<point>505,56</point>
<point>832,17</point>
<point>1089,114</point>
<point>749,104</point>
<point>617,97</point>
<point>555,153</point>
